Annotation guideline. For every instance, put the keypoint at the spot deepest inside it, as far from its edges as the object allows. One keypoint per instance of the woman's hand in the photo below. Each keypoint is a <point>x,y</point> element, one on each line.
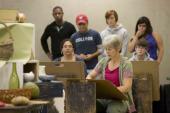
<point>134,39</point>
<point>83,56</point>
<point>89,57</point>
<point>88,77</point>
<point>138,34</point>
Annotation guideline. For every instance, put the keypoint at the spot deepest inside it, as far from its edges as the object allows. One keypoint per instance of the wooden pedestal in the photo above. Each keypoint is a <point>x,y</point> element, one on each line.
<point>80,97</point>
<point>142,93</point>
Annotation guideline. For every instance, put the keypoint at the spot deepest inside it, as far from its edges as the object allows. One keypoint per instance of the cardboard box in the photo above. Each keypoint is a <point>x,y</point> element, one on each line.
<point>8,15</point>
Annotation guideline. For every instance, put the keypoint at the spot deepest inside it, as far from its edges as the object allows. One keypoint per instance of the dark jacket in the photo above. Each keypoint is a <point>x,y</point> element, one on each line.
<point>57,34</point>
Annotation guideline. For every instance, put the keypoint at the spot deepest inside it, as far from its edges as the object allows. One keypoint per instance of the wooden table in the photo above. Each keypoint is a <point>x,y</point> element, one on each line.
<point>33,107</point>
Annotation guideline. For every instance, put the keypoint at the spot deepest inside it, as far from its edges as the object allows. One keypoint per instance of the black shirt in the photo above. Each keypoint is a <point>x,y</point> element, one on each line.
<point>57,34</point>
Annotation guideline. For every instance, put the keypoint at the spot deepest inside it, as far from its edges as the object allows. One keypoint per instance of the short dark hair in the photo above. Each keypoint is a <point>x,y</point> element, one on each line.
<point>111,12</point>
<point>65,40</point>
<point>142,43</point>
<point>57,7</point>
<point>145,20</point>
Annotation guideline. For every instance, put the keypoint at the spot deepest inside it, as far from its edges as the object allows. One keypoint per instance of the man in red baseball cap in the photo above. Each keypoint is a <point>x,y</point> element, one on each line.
<point>82,22</point>
<point>87,42</point>
<point>81,19</point>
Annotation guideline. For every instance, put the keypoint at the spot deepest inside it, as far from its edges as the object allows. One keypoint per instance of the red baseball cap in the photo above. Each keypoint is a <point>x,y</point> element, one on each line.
<point>82,19</point>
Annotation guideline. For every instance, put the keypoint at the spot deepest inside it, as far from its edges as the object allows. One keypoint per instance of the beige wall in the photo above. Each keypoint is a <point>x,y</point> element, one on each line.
<point>39,13</point>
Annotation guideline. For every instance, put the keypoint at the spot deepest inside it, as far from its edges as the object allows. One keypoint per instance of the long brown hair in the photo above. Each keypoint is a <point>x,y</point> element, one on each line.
<point>145,20</point>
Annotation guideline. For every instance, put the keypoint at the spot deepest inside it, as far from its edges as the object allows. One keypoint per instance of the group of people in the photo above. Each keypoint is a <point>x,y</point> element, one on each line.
<point>112,44</point>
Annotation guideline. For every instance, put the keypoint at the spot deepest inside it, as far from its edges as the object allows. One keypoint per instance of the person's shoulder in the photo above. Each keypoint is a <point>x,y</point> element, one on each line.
<point>68,23</point>
<point>155,35</point>
<point>104,31</point>
<point>133,57</point>
<point>50,25</point>
<point>126,61</point>
<point>104,60</point>
<point>74,35</point>
<point>157,38</point>
<point>93,32</point>
<point>122,28</point>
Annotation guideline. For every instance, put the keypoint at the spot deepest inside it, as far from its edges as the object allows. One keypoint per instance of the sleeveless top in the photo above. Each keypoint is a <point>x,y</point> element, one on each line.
<point>152,46</point>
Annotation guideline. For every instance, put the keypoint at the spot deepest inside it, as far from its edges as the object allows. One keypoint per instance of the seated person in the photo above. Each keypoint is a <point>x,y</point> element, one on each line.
<point>141,53</point>
<point>67,51</point>
<point>118,70</point>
